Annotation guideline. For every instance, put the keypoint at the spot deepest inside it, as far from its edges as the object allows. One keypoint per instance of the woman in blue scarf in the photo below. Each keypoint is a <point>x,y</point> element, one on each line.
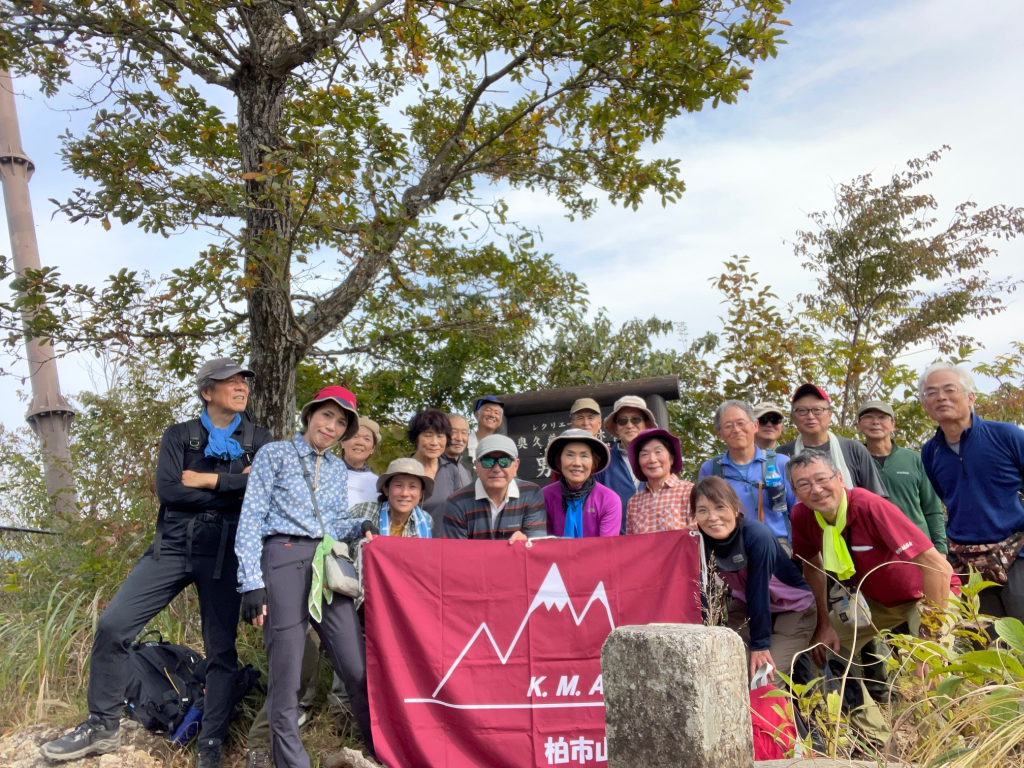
<point>577,506</point>
<point>397,511</point>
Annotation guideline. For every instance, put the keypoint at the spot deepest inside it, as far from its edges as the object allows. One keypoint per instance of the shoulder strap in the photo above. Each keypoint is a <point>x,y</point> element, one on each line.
<point>195,434</point>
<point>716,467</point>
<point>307,475</point>
<point>248,438</point>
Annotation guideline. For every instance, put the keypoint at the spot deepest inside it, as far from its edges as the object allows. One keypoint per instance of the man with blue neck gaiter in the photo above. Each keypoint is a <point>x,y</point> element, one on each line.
<point>200,480</point>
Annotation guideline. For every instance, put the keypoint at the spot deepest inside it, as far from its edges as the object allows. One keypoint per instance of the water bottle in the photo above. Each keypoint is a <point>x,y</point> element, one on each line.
<point>775,488</point>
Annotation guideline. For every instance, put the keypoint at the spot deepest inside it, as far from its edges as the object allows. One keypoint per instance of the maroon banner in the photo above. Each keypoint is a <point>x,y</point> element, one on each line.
<point>484,654</point>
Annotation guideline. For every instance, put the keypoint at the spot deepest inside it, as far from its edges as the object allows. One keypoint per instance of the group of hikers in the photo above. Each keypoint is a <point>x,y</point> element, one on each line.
<point>822,542</point>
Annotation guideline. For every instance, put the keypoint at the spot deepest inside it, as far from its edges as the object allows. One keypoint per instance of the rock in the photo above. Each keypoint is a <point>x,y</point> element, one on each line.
<point>676,695</point>
<point>139,749</point>
<point>350,758</point>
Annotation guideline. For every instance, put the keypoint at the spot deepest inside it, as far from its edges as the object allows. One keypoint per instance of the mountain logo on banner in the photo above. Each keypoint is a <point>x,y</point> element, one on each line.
<point>552,594</point>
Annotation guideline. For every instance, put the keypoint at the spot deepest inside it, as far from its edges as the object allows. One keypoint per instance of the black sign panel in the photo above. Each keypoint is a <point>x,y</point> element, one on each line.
<point>532,434</point>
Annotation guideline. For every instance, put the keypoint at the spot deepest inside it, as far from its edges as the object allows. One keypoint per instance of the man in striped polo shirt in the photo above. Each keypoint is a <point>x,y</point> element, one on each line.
<point>496,506</point>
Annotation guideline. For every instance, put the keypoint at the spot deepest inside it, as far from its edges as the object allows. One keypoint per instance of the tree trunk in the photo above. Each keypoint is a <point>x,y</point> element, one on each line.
<point>276,342</point>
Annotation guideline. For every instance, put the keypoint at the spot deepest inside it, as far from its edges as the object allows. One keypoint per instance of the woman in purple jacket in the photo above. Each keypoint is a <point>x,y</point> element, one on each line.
<point>576,505</point>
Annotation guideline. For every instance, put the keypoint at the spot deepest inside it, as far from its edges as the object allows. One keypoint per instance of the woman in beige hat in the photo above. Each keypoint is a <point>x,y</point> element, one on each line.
<point>577,506</point>
<point>628,418</point>
<point>397,510</point>
<point>356,451</point>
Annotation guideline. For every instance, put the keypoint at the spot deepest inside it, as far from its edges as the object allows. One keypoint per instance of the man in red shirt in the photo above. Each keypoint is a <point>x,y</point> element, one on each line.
<point>863,540</point>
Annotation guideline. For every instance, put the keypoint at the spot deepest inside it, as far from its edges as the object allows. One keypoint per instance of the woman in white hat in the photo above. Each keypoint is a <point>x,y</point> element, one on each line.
<point>397,511</point>
<point>628,418</point>
<point>577,506</point>
<point>356,451</point>
<point>295,508</point>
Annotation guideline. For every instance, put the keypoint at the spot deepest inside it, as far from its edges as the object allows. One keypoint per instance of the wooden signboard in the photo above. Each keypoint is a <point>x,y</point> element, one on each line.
<point>532,419</point>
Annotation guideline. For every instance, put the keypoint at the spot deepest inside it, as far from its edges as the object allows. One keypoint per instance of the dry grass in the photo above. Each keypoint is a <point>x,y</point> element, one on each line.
<point>44,657</point>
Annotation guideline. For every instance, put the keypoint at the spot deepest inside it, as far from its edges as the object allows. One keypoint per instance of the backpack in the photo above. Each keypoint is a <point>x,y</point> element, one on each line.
<point>162,684</point>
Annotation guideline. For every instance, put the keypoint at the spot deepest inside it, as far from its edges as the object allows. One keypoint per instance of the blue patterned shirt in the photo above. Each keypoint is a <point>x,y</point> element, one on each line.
<point>277,501</point>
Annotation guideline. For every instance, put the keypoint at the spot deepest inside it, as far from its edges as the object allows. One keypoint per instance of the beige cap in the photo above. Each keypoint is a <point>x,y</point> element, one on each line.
<point>407,466</point>
<point>370,424</point>
<point>585,404</point>
<point>876,405</point>
<point>628,401</point>
<point>765,407</point>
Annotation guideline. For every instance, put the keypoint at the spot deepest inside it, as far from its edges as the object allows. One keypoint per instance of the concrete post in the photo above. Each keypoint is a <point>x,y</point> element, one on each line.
<point>676,696</point>
<point>49,413</point>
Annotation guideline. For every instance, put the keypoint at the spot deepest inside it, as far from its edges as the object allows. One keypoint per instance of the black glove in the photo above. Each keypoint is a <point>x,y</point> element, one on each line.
<point>369,527</point>
<point>252,604</point>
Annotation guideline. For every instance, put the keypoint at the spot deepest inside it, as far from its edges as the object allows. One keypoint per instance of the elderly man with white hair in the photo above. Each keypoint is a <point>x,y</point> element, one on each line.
<point>976,467</point>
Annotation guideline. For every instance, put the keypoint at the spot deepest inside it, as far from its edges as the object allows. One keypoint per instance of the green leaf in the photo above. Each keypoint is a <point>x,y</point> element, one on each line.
<point>1011,630</point>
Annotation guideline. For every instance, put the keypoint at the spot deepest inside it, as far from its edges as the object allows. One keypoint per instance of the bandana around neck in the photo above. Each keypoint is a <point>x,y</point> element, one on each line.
<point>834,552</point>
<point>221,445</point>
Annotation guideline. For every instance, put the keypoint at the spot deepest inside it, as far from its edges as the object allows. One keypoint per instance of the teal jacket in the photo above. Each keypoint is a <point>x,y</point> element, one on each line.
<point>910,490</point>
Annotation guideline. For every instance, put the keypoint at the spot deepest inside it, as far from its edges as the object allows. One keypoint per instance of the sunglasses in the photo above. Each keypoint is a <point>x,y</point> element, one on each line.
<point>488,462</point>
<point>634,420</point>
<point>771,418</point>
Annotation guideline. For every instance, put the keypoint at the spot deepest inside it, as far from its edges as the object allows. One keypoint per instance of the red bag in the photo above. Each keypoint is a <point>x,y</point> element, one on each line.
<point>772,718</point>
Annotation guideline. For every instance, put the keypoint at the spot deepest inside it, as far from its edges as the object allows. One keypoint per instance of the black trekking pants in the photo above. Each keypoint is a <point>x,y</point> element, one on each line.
<point>151,585</point>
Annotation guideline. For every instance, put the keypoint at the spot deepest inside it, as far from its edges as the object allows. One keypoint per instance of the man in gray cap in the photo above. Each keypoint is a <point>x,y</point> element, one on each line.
<point>902,472</point>
<point>201,478</point>
<point>496,506</point>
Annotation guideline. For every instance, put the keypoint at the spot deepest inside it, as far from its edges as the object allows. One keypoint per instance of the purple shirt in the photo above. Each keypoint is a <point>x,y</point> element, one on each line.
<point>781,596</point>
<point>602,511</point>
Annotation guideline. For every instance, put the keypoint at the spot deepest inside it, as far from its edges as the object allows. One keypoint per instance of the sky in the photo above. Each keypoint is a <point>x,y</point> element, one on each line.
<point>861,87</point>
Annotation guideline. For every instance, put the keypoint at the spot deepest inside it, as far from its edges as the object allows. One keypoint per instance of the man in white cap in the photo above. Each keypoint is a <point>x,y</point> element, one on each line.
<point>629,417</point>
<point>497,505</point>
<point>770,423</point>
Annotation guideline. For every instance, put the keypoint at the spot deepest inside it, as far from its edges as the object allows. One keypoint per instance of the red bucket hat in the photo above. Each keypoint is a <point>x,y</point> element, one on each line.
<point>647,435</point>
<point>342,397</point>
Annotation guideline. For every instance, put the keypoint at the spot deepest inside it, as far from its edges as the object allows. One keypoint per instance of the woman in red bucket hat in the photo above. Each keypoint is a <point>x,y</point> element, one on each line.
<point>295,510</point>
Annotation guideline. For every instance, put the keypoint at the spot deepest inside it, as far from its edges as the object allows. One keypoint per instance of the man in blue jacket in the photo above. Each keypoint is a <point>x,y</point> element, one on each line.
<point>976,467</point>
<point>758,477</point>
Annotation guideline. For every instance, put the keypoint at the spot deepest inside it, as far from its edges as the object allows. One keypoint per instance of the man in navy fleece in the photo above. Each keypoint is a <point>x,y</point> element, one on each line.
<point>976,467</point>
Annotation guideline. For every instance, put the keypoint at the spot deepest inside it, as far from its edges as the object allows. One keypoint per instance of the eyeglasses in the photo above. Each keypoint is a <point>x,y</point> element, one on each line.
<point>488,462</point>
<point>879,417</point>
<point>816,410</point>
<point>634,420</point>
<point>821,481</point>
<point>949,392</point>
<point>771,418</point>
<point>733,425</point>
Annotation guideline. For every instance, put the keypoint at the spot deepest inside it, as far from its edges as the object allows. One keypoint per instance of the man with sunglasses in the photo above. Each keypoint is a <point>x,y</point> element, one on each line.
<point>770,421</point>
<point>496,506</point>
<point>629,417</point>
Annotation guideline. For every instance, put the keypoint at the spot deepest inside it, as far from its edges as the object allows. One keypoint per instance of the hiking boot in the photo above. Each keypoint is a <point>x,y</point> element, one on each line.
<point>258,758</point>
<point>90,738</point>
<point>208,753</point>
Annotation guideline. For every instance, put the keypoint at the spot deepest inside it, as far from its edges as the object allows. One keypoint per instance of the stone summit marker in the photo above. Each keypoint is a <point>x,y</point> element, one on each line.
<point>676,697</point>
